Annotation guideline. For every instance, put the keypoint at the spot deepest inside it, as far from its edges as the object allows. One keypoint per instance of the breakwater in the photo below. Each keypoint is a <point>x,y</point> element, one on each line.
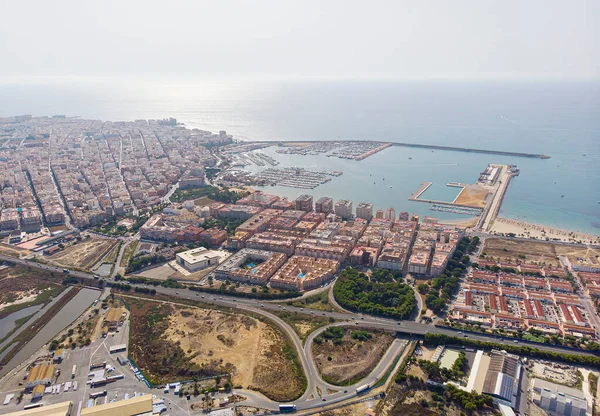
<point>416,145</point>
<point>470,150</point>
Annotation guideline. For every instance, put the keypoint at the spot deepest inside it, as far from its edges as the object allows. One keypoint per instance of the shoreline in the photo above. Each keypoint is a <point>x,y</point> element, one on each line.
<point>503,225</point>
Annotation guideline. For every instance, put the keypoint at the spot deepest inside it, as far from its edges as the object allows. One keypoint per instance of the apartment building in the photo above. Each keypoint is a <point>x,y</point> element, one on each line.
<point>343,209</point>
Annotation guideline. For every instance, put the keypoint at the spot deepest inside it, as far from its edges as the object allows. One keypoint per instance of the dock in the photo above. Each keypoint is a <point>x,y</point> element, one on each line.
<point>415,195</point>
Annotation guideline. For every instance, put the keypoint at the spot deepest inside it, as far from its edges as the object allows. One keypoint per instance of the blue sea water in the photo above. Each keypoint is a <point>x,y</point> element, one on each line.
<point>557,118</point>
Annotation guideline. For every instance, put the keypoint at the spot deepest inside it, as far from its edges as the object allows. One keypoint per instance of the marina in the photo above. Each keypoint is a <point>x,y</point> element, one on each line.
<point>293,177</point>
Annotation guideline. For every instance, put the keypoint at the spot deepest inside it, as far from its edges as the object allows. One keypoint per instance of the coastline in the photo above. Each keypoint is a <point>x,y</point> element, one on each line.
<point>540,232</point>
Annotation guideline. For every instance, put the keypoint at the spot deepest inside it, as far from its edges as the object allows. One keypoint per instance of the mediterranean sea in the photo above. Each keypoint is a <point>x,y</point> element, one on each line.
<point>558,118</point>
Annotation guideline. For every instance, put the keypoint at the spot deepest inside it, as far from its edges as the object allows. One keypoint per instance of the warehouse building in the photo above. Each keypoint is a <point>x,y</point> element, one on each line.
<point>497,374</point>
<point>557,399</point>
<point>136,406</point>
<point>58,409</point>
<point>40,374</point>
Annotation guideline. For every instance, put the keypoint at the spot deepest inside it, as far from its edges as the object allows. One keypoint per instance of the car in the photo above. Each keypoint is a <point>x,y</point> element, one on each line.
<point>197,294</point>
<point>466,335</point>
<point>301,309</point>
<point>284,309</point>
<point>323,398</point>
<point>399,322</point>
<point>516,341</point>
<point>220,297</point>
<point>362,317</point>
<point>202,296</point>
<point>356,323</point>
<point>323,313</point>
<point>262,306</point>
<point>345,391</point>
<point>459,332</point>
<point>177,293</point>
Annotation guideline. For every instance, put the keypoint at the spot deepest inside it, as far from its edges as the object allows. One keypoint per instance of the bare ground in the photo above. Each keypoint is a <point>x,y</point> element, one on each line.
<point>352,359</point>
<point>472,195</point>
<point>509,250</point>
<point>197,341</point>
<point>84,254</point>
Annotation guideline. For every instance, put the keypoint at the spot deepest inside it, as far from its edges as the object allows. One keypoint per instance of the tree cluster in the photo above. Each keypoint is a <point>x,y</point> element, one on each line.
<point>382,295</point>
<point>446,284</point>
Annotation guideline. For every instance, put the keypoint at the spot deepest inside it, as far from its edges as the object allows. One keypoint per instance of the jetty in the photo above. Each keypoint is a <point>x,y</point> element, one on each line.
<point>328,145</point>
<point>416,194</point>
<point>471,150</point>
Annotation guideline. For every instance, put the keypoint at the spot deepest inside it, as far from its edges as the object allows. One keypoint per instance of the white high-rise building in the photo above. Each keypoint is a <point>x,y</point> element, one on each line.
<point>364,210</point>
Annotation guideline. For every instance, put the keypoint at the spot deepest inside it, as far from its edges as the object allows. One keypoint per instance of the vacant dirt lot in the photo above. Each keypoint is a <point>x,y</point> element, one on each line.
<point>9,250</point>
<point>172,342</point>
<point>580,255</point>
<point>84,254</point>
<point>350,360</point>
<point>472,195</point>
<point>509,250</point>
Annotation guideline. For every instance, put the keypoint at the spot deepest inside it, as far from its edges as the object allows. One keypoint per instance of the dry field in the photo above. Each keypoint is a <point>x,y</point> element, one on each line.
<point>84,254</point>
<point>177,342</point>
<point>20,287</point>
<point>509,250</point>
<point>10,250</point>
<point>350,360</point>
<point>587,256</point>
<point>472,195</point>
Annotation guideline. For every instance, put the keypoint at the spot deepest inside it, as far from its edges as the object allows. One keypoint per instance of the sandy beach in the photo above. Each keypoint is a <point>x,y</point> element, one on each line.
<point>523,229</point>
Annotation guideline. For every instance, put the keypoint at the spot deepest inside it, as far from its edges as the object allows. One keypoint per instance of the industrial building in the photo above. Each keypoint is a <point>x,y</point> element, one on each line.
<point>197,259</point>
<point>58,409</point>
<point>557,399</point>
<point>136,406</point>
<point>497,374</point>
<point>40,374</point>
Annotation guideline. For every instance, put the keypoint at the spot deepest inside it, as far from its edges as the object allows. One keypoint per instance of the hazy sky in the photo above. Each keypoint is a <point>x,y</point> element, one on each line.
<point>280,38</point>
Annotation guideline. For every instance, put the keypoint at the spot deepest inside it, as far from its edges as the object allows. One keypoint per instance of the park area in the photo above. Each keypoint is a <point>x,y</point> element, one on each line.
<point>345,356</point>
<point>172,342</point>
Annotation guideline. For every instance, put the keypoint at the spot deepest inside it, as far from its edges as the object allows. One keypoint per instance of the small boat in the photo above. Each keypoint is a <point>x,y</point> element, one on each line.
<point>384,179</point>
<point>410,158</point>
<point>390,187</point>
<point>562,196</point>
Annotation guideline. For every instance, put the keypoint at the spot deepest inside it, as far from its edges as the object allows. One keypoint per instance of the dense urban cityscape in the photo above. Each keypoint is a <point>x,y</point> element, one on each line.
<point>157,269</point>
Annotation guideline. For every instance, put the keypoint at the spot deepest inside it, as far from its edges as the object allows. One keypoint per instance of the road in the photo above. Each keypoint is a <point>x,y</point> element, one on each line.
<point>310,399</point>
<point>407,327</point>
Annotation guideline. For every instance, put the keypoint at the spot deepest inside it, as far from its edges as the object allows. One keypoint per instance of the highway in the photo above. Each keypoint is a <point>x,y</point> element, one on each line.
<point>329,393</point>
